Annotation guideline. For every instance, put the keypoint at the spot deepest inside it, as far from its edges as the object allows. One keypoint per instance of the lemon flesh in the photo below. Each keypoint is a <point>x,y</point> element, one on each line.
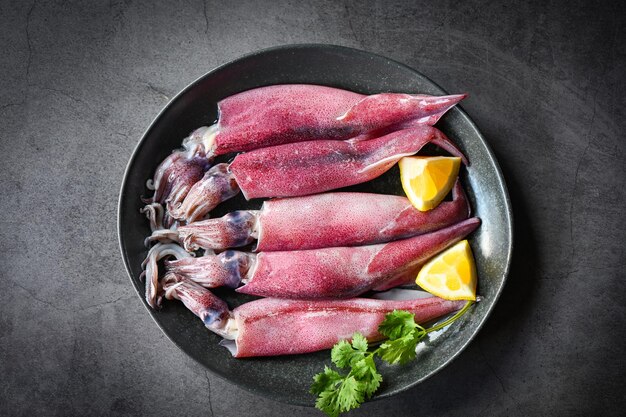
<point>426,180</point>
<point>451,274</point>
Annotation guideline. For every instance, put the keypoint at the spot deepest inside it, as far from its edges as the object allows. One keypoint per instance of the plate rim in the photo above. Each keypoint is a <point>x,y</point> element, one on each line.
<point>317,46</point>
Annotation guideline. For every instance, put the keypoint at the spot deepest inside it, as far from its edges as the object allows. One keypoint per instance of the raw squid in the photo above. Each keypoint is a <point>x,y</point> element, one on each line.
<point>175,176</point>
<point>288,113</point>
<point>270,327</point>
<point>319,221</point>
<point>151,271</point>
<point>326,273</point>
<point>304,168</point>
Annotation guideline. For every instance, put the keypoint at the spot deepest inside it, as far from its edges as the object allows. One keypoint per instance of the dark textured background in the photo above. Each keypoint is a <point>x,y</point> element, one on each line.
<point>80,82</point>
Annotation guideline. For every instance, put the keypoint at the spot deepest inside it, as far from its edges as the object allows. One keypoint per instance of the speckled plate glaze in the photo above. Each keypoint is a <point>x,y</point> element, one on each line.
<point>288,378</point>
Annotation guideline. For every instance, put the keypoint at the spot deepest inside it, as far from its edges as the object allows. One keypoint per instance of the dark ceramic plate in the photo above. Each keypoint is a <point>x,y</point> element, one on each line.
<point>288,378</point>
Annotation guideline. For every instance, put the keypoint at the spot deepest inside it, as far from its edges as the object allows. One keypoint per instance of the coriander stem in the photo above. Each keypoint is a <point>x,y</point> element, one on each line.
<point>451,319</point>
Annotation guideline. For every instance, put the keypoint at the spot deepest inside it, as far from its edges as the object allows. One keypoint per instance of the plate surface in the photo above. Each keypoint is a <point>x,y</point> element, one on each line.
<point>288,378</point>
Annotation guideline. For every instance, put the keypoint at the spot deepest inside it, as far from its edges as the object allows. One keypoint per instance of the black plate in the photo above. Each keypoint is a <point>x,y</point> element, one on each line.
<point>288,378</point>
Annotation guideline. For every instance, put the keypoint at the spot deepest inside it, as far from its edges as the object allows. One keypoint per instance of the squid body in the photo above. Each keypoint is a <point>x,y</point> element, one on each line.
<point>288,113</point>
<point>319,221</point>
<point>270,327</point>
<point>304,168</point>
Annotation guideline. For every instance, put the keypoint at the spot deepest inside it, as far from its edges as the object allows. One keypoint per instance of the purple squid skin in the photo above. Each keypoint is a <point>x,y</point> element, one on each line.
<point>288,113</point>
<point>305,168</point>
<point>322,221</point>
<point>270,327</point>
<point>350,219</point>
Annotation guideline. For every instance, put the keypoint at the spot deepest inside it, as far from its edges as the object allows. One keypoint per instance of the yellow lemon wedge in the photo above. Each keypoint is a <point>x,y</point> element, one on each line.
<point>451,274</point>
<point>428,179</point>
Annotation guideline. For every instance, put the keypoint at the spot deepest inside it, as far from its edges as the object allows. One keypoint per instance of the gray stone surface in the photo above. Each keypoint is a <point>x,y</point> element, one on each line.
<point>82,80</point>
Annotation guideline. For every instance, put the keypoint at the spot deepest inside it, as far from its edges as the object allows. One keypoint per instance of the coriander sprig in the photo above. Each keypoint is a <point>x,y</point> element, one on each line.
<point>338,393</point>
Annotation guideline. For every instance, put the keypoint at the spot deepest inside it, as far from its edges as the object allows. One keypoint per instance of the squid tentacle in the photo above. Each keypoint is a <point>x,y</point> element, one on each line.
<point>163,236</point>
<point>217,185</point>
<point>154,212</point>
<point>212,310</point>
<point>176,174</point>
<point>228,269</point>
<point>232,230</point>
<point>151,269</point>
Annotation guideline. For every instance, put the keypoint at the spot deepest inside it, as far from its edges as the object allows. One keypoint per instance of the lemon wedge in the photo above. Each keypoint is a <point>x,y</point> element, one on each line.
<point>451,274</point>
<point>427,180</point>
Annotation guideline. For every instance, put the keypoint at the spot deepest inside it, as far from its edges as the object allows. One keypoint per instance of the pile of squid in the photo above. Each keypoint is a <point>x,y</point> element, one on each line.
<point>314,252</point>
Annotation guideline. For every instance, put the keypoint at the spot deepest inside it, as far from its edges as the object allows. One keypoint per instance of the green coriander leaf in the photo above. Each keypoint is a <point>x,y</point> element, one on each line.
<point>367,374</point>
<point>342,353</point>
<point>345,354</point>
<point>363,367</point>
<point>401,350</point>
<point>338,393</point>
<point>371,386</point>
<point>350,394</point>
<point>359,342</point>
<point>327,402</point>
<point>325,381</point>
<point>397,324</point>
